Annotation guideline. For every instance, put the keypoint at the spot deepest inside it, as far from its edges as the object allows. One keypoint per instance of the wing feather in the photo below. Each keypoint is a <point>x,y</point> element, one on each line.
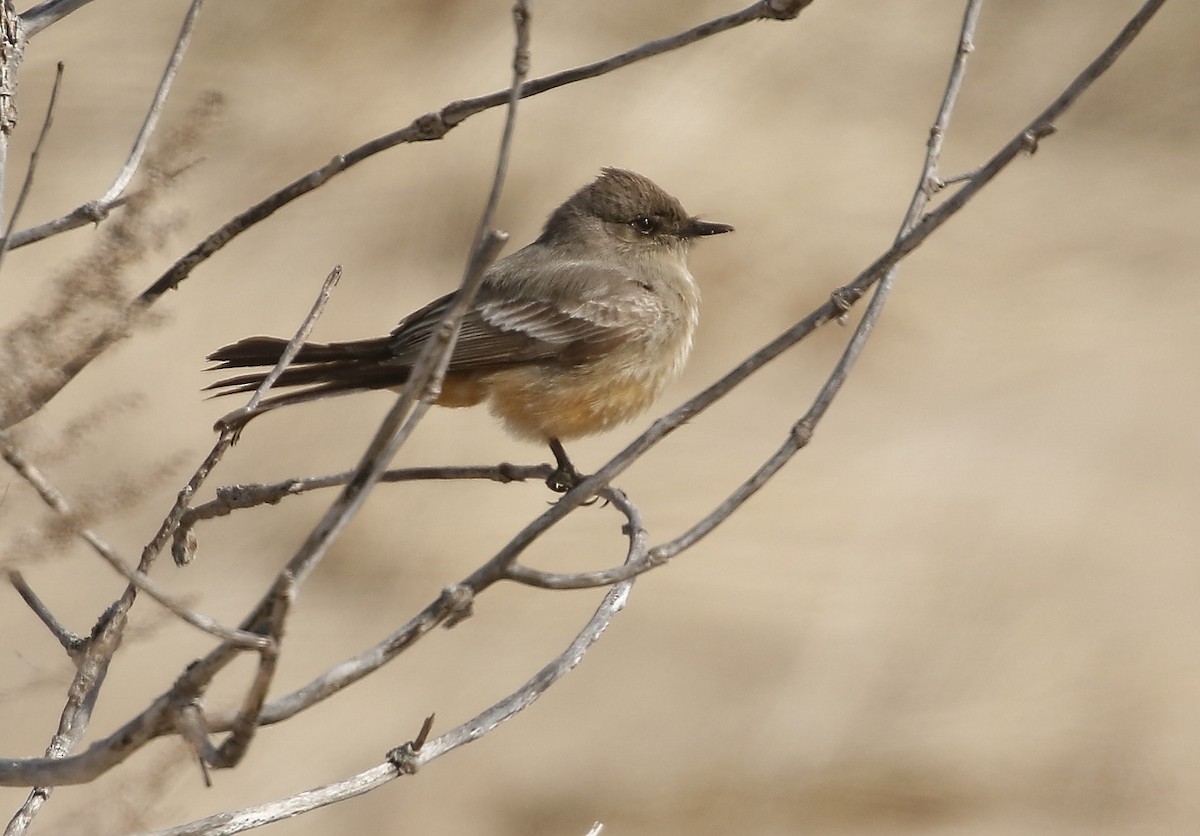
<point>582,311</point>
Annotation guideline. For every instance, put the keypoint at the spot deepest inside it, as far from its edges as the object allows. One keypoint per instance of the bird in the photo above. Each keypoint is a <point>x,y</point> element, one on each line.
<point>573,334</point>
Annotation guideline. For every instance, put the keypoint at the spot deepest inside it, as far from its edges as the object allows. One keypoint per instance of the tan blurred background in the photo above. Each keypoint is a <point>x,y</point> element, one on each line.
<point>968,607</point>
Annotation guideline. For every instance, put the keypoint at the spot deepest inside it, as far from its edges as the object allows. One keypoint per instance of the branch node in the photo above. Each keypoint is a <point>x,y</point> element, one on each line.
<point>843,299</point>
<point>183,545</point>
<point>1034,135</point>
<point>74,644</point>
<point>785,9</point>
<point>458,601</point>
<point>802,432</point>
<point>508,472</point>
<point>94,211</point>
<point>404,758</point>
<point>434,125</point>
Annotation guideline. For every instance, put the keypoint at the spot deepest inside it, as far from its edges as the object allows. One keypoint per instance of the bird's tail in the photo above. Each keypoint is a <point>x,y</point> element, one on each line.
<point>325,369</point>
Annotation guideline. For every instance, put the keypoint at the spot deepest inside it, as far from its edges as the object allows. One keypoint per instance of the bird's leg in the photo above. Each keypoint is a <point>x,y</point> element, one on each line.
<point>565,476</point>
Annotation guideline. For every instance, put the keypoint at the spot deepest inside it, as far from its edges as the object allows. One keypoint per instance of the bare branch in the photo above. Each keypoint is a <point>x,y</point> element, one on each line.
<point>71,642</point>
<point>33,161</point>
<point>54,498</point>
<point>237,497</point>
<point>636,559</point>
<point>245,724</point>
<point>801,432</point>
<point>407,759</point>
<point>239,416</point>
<point>433,126</point>
<point>184,545</point>
<point>95,211</point>
<point>12,48</point>
<point>614,601</point>
<point>125,176</point>
<point>48,12</point>
<point>1040,127</point>
<point>238,821</point>
<point>447,609</point>
<point>91,670</point>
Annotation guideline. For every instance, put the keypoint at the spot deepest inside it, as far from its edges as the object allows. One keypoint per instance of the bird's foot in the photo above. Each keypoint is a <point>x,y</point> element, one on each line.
<point>565,476</point>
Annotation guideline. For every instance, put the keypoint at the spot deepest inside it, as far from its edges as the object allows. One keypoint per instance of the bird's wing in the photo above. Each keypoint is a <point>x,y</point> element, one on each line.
<point>583,310</point>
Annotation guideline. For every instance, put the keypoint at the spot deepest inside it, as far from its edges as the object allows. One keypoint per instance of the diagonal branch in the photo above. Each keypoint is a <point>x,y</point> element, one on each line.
<point>1025,142</point>
<point>95,211</point>
<point>44,14</point>
<point>34,156</point>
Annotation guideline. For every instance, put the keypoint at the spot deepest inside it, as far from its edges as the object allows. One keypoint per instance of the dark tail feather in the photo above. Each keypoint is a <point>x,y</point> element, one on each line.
<point>326,369</point>
<point>299,376</point>
<point>266,351</point>
<point>240,417</point>
<point>330,382</point>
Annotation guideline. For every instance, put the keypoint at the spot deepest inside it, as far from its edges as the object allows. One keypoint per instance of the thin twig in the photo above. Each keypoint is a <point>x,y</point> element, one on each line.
<point>33,161</point>
<point>435,125</point>
<point>184,547</point>
<point>125,176</point>
<point>55,499</point>
<point>97,210</point>
<point>71,642</point>
<point>245,724</point>
<point>239,416</point>
<point>51,11</point>
<point>614,601</point>
<point>12,50</point>
<point>89,213</point>
<point>636,561</point>
<point>232,498</point>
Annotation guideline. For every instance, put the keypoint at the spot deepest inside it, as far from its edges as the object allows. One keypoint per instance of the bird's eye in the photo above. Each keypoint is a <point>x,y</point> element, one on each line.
<point>644,224</point>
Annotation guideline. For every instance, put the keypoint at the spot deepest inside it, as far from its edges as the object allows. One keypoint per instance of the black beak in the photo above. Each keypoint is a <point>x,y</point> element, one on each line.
<point>696,227</point>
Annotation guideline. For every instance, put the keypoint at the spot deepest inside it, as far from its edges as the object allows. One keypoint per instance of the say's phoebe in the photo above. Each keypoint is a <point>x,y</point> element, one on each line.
<point>573,334</point>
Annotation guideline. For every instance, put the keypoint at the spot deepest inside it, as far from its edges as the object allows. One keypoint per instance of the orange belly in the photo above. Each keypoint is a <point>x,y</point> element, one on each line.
<point>539,404</point>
